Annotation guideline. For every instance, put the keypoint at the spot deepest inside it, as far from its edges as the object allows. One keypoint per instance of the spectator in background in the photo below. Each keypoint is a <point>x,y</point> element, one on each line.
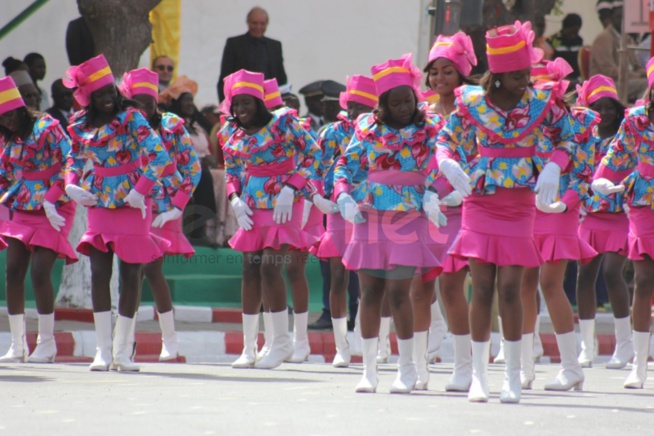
<point>253,52</point>
<point>12,64</point>
<point>313,101</point>
<point>63,103</point>
<point>36,66</point>
<point>79,40</point>
<point>28,91</point>
<point>164,67</point>
<point>644,54</point>
<point>604,10</point>
<point>567,42</point>
<point>540,42</point>
<point>212,114</point>
<point>331,106</point>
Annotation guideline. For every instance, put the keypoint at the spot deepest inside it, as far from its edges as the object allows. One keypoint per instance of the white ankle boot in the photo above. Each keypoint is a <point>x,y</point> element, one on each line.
<point>250,334</point>
<point>46,347</point>
<point>343,356</point>
<point>407,376</point>
<point>102,360</point>
<point>638,375</point>
<point>123,346</point>
<point>384,351</point>
<point>267,335</point>
<point>169,342</point>
<point>571,375</point>
<point>624,346</point>
<point>538,345</point>
<point>527,375</point>
<point>18,349</point>
<point>512,387</point>
<point>462,375</point>
<point>368,382</point>
<point>437,331</point>
<point>587,330</point>
<point>478,392</point>
<point>499,358</point>
<point>281,348</point>
<point>421,359</point>
<point>301,345</point>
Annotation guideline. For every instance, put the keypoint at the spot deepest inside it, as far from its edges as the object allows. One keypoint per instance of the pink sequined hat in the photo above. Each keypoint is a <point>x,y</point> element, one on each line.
<point>396,72</point>
<point>87,77</point>
<point>458,49</point>
<point>272,96</point>
<point>242,82</point>
<point>598,86</point>
<point>650,72</point>
<point>141,81</point>
<point>509,48</point>
<point>10,98</point>
<point>360,89</point>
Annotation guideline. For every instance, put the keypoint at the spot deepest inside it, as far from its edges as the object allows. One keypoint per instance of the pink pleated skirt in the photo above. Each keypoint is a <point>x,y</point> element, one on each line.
<point>606,232</point>
<point>173,234</point>
<point>641,233</point>
<point>313,229</point>
<point>450,264</point>
<point>390,239</point>
<point>265,233</point>
<point>123,231</point>
<point>335,238</point>
<point>557,237</point>
<point>33,229</point>
<point>499,229</point>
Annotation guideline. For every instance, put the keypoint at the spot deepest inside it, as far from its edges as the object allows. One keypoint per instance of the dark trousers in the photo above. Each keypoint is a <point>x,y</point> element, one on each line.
<point>352,290</point>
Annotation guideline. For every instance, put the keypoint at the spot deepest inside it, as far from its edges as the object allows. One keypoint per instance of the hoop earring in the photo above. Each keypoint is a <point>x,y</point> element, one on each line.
<point>498,84</point>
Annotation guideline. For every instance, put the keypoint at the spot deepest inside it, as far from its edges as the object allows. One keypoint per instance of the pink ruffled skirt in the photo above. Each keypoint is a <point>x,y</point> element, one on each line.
<point>558,239</point>
<point>641,233</point>
<point>499,229</point>
<point>33,229</point>
<point>606,232</point>
<point>265,233</point>
<point>313,229</point>
<point>335,238</point>
<point>450,264</point>
<point>173,234</point>
<point>125,232</point>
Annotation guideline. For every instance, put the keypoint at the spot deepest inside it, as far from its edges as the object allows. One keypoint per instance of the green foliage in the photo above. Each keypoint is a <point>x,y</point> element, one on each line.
<point>556,10</point>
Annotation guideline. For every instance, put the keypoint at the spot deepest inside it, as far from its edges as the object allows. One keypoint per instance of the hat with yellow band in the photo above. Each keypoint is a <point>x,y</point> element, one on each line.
<point>272,97</point>
<point>509,48</point>
<point>10,98</point>
<point>397,72</point>
<point>359,89</point>
<point>242,82</point>
<point>141,81</point>
<point>88,77</point>
<point>596,87</point>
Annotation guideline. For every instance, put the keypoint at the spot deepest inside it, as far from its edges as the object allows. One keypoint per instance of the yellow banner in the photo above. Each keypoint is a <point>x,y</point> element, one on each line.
<point>166,21</point>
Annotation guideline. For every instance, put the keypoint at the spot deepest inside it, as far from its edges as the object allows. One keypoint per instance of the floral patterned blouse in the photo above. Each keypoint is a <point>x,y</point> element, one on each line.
<point>596,202</point>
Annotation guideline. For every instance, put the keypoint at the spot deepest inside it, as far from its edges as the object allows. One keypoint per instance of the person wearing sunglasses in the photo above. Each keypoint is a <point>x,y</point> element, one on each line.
<point>163,66</point>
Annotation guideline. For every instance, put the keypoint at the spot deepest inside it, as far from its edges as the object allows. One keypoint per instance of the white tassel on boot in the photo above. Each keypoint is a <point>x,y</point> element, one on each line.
<point>384,351</point>
<point>421,359</point>
<point>571,375</point>
<point>638,375</point>
<point>343,356</point>
<point>437,331</point>
<point>281,348</point>
<point>512,387</point>
<point>368,382</point>
<point>478,392</point>
<point>462,375</point>
<point>499,358</point>
<point>18,349</point>
<point>46,347</point>
<point>169,342</point>
<point>587,330</point>
<point>624,346</point>
<point>267,335</point>
<point>538,345</point>
<point>123,345</point>
<point>407,376</point>
<point>250,334</point>
<point>301,346</point>
<point>527,375</point>
<point>103,348</point>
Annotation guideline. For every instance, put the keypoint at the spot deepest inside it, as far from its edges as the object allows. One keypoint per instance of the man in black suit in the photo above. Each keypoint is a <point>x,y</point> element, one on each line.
<point>63,103</point>
<point>79,41</point>
<point>253,51</point>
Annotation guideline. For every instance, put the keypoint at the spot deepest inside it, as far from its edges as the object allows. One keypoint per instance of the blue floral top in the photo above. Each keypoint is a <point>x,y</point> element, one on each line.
<point>596,202</point>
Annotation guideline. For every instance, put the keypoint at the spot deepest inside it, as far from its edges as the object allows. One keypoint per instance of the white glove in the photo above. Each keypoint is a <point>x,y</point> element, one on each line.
<point>605,186</point>
<point>163,218</point>
<point>547,184</point>
<point>243,213</point>
<point>56,220</point>
<point>349,209</point>
<point>305,213</point>
<point>136,200</point>
<point>283,211</point>
<point>431,206</point>
<point>81,196</point>
<point>456,176</point>
<point>453,199</point>
<point>325,206</point>
<point>556,207</point>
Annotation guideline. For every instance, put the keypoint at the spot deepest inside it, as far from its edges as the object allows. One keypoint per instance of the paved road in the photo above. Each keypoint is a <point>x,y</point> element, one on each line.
<point>306,399</point>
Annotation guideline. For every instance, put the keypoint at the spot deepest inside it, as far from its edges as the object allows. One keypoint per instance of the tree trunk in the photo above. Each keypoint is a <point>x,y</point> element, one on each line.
<point>121,30</point>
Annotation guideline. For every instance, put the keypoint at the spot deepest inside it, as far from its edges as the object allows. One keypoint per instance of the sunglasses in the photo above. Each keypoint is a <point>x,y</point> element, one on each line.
<point>168,68</point>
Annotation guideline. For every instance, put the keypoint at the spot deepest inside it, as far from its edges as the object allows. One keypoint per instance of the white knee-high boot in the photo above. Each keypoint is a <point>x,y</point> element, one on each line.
<point>624,346</point>
<point>478,392</point>
<point>512,388</point>
<point>407,376</point>
<point>46,347</point>
<point>169,342</point>
<point>343,356</point>
<point>123,345</point>
<point>538,345</point>
<point>103,348</point>
<point>527,375</point>
<point>250,334</point>
<point>267,335</point>
<point>499,358</point>
<point>18,350</point>
<point>638,375</point>
<point>421,359</point>
<point>301,346</point>
<point>571,375</point>
<point>281,348</point>
<point>462,375</point>
<point>587,330</point>
<point>437,331</point>
<point>368,382</point>
<point>384,351</point>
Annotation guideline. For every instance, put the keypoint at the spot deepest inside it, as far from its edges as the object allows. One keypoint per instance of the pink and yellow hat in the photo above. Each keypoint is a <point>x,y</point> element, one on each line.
<point>458,49</point>
<point>87,77</point>
<point>552,71</point>
<point>509,48</point>
<point>272,96</point>
<point>141,81</point>
<point>10,98</point>
<point>396,72</point>
<point>359,89</point>
<point>598,86</point>
<point>650,72</point>
<point>242,82</point>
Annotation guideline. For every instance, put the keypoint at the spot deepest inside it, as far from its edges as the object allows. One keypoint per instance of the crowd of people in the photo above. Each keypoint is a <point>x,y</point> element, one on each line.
<point>504,176</point>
